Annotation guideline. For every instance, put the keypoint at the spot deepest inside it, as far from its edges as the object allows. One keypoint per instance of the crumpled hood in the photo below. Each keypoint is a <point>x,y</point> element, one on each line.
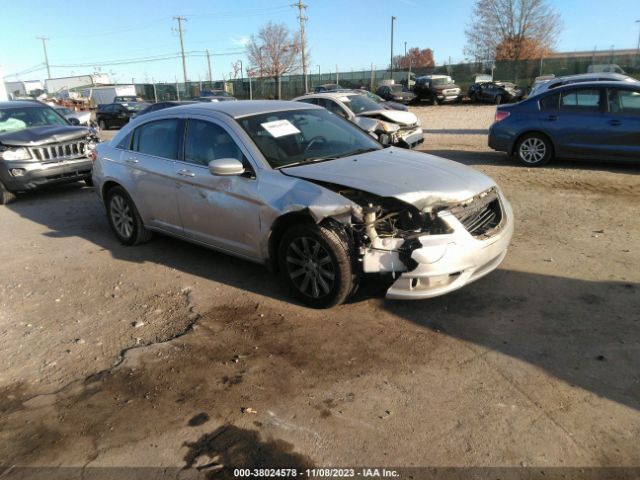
<point>423,180</point>
<point>42,135</point>
<point>395,116</point>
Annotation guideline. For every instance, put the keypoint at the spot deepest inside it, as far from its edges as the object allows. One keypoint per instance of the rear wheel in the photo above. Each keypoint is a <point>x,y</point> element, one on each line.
<point>125,219</point>
<point>534,150</point>
<point>316,263</point>
<point>498,99</point>
<point>5,195</point>
<point>102,124</point>
<point>88,182</point>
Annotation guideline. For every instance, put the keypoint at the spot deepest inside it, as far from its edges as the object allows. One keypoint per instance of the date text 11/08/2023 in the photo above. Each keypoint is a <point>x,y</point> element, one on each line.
<point>315,473</point>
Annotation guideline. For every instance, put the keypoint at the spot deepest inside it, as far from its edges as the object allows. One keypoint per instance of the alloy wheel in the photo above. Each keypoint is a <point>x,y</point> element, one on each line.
<point>310,267</point>
<point>121,216</point>
<point>532,150</point>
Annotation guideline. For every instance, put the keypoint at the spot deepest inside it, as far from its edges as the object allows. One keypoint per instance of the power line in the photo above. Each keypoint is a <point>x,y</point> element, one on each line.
<point>149,59</point>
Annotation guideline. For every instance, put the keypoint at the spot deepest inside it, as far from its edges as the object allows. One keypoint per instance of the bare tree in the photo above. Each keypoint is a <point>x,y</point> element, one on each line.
<point>512,30</point>
<point>274,52</point>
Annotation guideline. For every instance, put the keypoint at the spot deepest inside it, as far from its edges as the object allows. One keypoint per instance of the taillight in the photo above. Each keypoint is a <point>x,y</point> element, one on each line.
<point>501,115</point>
<point>93,156</point>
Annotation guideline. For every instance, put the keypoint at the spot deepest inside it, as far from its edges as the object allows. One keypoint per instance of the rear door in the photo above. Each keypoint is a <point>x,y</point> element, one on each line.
<point>623,120</point>
<point>152,169</point>
<point>576,121</point>
<point>221,211</point>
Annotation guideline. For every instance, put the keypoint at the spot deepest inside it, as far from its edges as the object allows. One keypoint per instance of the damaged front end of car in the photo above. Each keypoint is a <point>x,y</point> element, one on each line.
<point>431,250</point>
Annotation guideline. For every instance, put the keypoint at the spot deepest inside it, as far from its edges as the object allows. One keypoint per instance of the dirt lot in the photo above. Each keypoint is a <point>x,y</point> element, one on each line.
<point>147,356</point>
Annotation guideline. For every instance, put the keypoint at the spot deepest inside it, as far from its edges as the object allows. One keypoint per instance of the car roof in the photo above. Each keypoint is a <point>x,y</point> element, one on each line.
<point>331,95</point>
<point>242,108</point>
<point>592,84</point>
<point>593,75</point>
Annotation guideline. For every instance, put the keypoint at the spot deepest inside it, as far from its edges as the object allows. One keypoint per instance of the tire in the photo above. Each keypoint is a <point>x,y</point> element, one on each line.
<point>124,218</point>
<point>316,263</point>
<point>88,182</point>
<point>534,150</point>
<point>5,195</point>
<point>102,125</point>
<point>498,99</point>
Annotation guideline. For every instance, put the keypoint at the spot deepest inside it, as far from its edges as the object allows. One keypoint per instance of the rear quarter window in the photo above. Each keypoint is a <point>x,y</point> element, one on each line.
<point>550,102</point>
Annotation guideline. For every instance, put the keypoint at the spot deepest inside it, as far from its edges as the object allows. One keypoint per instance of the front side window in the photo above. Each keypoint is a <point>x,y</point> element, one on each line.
<point>160,138</point>
<point>580,100</point>
<point>299,136</point>
<point>626,102</point>
<point>360,103</point>
<point>332,106</point>
<point>206,141</point>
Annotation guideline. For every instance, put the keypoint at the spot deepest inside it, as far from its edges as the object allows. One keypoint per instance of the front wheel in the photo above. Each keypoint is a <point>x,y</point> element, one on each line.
<point>5,195</point>
<point>316,263</point>
<point>125,219</point>
<point>534,150</point>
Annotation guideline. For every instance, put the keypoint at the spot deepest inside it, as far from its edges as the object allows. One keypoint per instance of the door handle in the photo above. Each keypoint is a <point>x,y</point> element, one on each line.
<point>131,160</point>
<point>615,123</point>
<point>552,118</point>
<point>186,173</point>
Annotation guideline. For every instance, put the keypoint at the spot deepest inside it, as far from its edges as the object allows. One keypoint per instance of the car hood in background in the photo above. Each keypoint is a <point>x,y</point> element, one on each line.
<point>395,116</point>
<point>42,135</point>
<point>423,180</point>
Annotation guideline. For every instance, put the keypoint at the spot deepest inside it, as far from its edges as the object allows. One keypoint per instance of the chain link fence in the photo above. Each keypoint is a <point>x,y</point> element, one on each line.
<point>522,73</point>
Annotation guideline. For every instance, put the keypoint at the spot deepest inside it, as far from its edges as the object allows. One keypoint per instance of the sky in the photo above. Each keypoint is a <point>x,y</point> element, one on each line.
<point>349,34</point>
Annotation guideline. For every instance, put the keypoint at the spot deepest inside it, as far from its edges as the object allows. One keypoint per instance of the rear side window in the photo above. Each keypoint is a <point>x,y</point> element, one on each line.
<point>160,138</point>
<point>580,100</point>
<point>332,106</point>
<point>550,102</point>
<point>626,102</point>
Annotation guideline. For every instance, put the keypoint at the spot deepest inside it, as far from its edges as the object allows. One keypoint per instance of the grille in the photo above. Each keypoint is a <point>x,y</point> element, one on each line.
<point>59,151</point>
<point>481,215</point>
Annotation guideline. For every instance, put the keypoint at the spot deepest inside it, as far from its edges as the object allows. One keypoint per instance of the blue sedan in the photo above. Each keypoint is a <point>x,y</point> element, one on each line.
<point>591,120</point>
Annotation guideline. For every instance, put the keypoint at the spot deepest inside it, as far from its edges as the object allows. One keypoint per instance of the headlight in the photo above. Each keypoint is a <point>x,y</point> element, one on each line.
<point>387,127</point>
<point>19,153</point>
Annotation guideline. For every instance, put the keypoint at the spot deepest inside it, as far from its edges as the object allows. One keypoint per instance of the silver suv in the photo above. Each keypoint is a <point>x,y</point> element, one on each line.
<point>295,187</point>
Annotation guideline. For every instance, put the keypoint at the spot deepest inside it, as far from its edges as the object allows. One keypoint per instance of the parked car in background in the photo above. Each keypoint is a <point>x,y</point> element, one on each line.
<point>117,114</point>
<point>127,99</point>
<point>591,120</point>
<point>580,78</point>
<point>437,89</point>
<point>154,107</point>
<point>215,93</point>
<point>497,92</point>
<point>94,96</point>
<point>381,101</point>
<point>328,87</point>
<point>82,117</point>
<point>212,98</point>
<point>38,147</point>
<point>390,127</point>
<point>396,93</point>
<point>291,186</point>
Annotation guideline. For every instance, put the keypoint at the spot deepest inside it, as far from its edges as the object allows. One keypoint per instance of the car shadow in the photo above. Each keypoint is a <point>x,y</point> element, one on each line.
<point>472,157</point>
<point>585,333</point>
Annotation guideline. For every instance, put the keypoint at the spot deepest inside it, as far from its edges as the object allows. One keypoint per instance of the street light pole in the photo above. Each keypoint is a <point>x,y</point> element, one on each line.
<point>638,48</point>
<point>406,59</point>
<point>393,19</point>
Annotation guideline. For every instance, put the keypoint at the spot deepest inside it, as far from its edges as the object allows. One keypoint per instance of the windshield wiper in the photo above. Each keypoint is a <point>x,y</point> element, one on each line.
<point>307,160</point>
<point>356,152</point>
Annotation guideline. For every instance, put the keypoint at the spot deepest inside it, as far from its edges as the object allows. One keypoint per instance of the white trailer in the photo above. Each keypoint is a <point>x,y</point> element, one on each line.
<point>21,88</point>
<point>98,95</point>
<point>54,85</point>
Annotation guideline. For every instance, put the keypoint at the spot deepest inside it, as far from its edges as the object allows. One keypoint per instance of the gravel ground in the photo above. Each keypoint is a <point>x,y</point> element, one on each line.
<point>151,356</point>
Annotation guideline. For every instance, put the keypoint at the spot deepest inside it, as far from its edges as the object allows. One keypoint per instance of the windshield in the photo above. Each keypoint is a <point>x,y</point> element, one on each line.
<point>14,119</point>
<point>63,111</point>
<point>359,103</point>
<point>373,96</point>
<point>442,81</point>
<point>135,107</point>
<point>300,136</point>
<point>397,88</point>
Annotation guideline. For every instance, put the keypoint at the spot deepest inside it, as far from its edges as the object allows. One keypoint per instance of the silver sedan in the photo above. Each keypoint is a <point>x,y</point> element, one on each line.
<point>294,187</point>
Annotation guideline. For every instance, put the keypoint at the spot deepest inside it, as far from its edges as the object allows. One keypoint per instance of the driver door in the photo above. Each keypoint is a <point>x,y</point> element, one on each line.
<point>220,211</point>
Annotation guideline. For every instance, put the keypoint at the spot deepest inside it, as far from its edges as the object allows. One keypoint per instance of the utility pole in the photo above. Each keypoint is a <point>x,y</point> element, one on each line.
<point>184,63</point>
<point>209,65</point>
<point>301,6</point>
<point>46,57</point>
<point>638,48</point>
<point>393,19</point>
<point>405,58</point>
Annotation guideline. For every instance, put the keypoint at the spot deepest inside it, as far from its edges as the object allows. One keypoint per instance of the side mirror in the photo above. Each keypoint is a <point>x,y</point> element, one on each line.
<point>73,121</point>
<point>226,167</point>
